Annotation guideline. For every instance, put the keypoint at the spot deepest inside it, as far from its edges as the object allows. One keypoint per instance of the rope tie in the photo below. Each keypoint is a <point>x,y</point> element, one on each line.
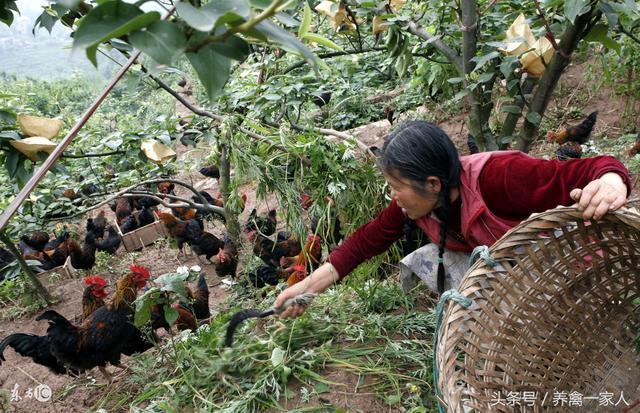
<point>482,251</point>
<point>465,302</point>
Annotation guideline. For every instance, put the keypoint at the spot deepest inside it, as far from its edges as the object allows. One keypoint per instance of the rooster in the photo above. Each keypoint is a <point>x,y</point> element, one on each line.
<point>181,231</point>
<point>226,262</point>
<point>308,259</point>
<point>93,295</point>
<point>571,138</point>
<point>100,339</point>
<point>82,258</point>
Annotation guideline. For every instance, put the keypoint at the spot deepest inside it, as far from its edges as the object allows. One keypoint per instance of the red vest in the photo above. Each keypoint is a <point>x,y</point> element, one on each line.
<point>479,225</point>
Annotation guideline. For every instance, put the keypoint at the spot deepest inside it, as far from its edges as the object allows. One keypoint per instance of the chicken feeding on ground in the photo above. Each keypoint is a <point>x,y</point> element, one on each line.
<point>102,338</point>
<point>271,252</point>
<point>211,171</point>
<point>226,262</point>
<point>93,295</point>
<point>257,224</point>
<point>571,138</point>
<point>111,243</point>
<point>206,244</point>
<point>181,231</point>
<point>265,275</point>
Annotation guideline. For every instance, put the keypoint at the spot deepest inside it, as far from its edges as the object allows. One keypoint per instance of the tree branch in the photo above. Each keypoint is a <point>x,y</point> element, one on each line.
<point>441,46</point>
<point>92,155</point>
<point>133,191</point>
<point>628,33</point>
<point>334,54</point>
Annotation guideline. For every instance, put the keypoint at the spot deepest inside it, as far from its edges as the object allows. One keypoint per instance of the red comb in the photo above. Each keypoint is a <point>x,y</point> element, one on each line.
<point>139,270</point>
<point>95,280</point>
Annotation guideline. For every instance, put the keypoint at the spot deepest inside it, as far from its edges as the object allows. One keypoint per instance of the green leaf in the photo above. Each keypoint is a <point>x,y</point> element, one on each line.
<point>306,20</point>
<point>485,77</point>
<point>482,60</point>
<point>599,35</point>
<point>6,14</point>
<point>144,304</point>
<point>170,314</point>
<point>575,8</point>
<point>287,41</point>
<point>46,20</point>
<point>316,38</point>
<point>206,18</point>
<point>287,20</point>
<point>7,116</point>
<point>260,4</point>
<point>109,20</point>
<point>234,48</point>
<point>212,69</point>
<point>609,11</point>
<point>163,41</point>
<point>534,118</point>
<point>321,388</point>
<point>12,163</point>
<point>516,110</point>
<point>277,356</point>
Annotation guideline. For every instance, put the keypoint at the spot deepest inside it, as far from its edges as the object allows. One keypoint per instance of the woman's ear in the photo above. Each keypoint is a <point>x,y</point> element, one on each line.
<point>433,184</point>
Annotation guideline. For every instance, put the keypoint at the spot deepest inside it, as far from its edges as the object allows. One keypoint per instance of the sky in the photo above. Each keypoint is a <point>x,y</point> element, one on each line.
<point>44,55</point>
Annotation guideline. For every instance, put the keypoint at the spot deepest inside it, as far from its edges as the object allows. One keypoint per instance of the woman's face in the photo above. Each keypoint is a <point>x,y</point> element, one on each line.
<point>415,203</point>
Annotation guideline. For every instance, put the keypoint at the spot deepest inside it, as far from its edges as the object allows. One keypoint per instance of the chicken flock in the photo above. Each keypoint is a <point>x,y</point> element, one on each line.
<point>105,330</point>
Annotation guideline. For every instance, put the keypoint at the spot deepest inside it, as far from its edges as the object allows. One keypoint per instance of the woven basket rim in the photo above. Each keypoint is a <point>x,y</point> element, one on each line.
<point>559,218</point>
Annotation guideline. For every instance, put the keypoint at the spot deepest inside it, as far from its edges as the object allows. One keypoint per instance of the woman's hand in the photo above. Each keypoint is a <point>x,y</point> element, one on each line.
<point>601,195</point>
<point>316,282</point>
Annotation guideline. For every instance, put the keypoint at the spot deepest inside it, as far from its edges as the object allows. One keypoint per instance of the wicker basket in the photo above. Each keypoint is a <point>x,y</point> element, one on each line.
<point>553,326</point>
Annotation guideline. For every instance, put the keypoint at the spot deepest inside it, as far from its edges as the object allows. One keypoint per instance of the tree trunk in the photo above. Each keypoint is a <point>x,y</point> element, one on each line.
<point>469,26</point>
<point>549,80</point>
<point>511,120</point>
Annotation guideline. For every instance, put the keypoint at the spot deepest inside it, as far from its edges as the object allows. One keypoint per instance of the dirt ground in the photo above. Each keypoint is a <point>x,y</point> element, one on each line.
<point>22,378</point>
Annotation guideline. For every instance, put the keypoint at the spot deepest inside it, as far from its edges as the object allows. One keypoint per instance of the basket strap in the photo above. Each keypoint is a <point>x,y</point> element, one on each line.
<point>482,251</point>
<point>465,302</point>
